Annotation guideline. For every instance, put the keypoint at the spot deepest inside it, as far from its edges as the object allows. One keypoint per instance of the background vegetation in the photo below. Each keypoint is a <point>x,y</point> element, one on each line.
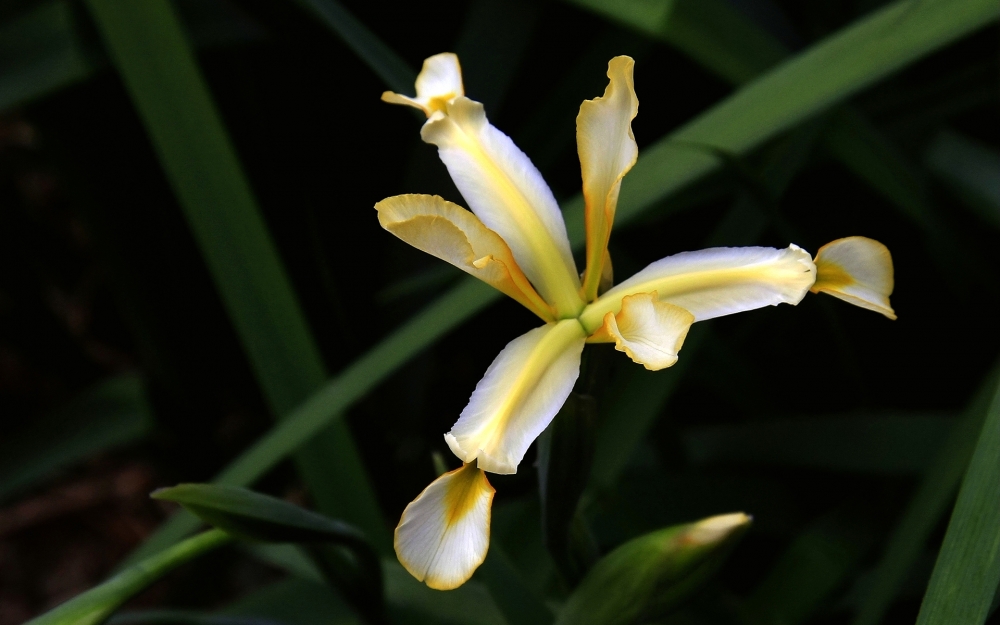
<point>188,255</point>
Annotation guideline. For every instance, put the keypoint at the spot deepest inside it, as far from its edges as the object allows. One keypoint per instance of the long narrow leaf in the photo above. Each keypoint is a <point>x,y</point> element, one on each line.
<point>929,504</point>
<point>830,72</point>
<point>967,571</point>
<point>95,605</point>
<point>147,45</point>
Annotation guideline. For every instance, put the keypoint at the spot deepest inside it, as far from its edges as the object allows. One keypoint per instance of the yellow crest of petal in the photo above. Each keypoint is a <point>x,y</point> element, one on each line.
<point>607,152</point>
<point>453,234</point>
<point>444,533</point>
<point>649,331</point>
<point>439,82</point>
<point>857,270</point>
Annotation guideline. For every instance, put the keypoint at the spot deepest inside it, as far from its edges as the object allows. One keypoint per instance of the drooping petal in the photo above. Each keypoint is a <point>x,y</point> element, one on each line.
<point>506,191</point>
<point>453,234</point>
<point>607,152</point>
<point>649,331</point>
<point>517,398</point>
<point>857,270</point>
<point>439,82</point>
<point>444,533</point>
<point>715,282</point>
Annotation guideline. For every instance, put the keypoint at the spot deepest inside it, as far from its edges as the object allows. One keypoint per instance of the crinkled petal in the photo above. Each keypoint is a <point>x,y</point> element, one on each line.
<point>715,282</point>
<point>517,398</point>
<point>505,190</point>
<point>857,270</point>
<point>444,533</point>
<point>453,234</point>
<point>607,152</point>
<point>649,331</point>
<point>439,82</point>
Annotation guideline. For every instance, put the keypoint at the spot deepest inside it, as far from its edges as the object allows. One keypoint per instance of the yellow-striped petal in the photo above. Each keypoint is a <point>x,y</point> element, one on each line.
<point>505,190</point>
<point>439,82</point>
<point>607,152</point>
<point>857,270</point>
<point>649,331</point>
<point>444,533</point>
<point>517,398</point>
<point>453,234</point>
<point>715,282</point>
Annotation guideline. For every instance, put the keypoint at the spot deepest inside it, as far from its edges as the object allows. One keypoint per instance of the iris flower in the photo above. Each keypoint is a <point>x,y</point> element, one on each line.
<point>515,239</point>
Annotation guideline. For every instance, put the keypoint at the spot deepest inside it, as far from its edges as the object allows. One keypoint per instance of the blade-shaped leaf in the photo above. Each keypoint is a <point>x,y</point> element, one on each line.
<point>973,169</point>
<point>113,413</point>
<point>882,444</point>
<point>147,46</point>
<point>967,571</point>
<point>929,503</point>
<point>95,605</point>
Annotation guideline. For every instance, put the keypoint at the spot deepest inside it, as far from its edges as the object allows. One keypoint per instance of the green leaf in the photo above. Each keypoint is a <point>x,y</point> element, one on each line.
<point>254,516</point>
<point>929,503</point>
<point>829,72</point>
<point>147,45</point>
<point>890,444</point>
<point>972,169</point>
<point>40,53</point>
<point>382,59</point>
<point>817,562</point>
<point>518,602</point>
<point>967,571</point>
<point>111,414</point>
<point>95,605</point>
<point>257,517</point>
<point>186,617</point>
<point>646,577</point>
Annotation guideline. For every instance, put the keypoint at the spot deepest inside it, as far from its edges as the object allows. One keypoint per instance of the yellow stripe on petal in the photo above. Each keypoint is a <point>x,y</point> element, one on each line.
<point>505,190</point>
<point>857,270</point>
<point>715,282</point>
<point>649,331</point>
<point>607,152</point>
<point>439,82</point>
<point>453,234</point>
<point>444,533</point>
<point>514,402</point>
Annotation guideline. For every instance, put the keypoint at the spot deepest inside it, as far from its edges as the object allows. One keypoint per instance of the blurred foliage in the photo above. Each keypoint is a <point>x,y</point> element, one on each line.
<point>189,250</point>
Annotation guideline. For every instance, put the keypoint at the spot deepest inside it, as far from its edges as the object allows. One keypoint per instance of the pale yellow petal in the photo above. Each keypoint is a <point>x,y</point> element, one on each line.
<point>444,533</point>
<point>607,152</point>
<point>649,331</point>
<point>439,82</point>
<point>715,282</point>
<point>857,270</point>
<point>517,398</point>
<point>505,190</point>
<point>453,234</point>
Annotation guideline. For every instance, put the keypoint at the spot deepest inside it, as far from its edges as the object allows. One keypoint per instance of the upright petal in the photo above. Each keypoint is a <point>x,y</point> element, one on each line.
<point>607,152</point>
<point>857,270</point>
<point>649,331</point>
<point>444,533</point>
<point>715,282</point>
<point>517,398</point>
<point>506,191</point>
<point>439,82</point>
<point>453,234</point>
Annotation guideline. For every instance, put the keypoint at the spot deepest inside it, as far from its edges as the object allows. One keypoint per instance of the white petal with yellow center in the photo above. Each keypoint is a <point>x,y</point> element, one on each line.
<point>715,282</point>
<point>448,231</point>
<point>505,190</point>
<point>857,270</point>
<point>439,82</point>
<point>607,152</point>
<point>649,331</point>
<point>444,533</point>
<point>518,397</point>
